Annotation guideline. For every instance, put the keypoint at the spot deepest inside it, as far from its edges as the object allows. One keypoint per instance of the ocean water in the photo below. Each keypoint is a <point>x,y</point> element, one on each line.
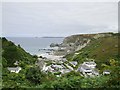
<point>33,44</point>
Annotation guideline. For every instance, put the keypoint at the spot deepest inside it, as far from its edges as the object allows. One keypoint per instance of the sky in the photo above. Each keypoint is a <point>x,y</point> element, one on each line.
<point>39,19</point>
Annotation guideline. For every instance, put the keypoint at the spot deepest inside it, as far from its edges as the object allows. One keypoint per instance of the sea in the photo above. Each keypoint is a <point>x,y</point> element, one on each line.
<point>34,45</point>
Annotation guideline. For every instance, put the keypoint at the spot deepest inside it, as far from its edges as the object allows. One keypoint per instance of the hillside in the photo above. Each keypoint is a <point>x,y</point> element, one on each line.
<point>10,54</point>
<point>100,49</point>
<point>74,43</point>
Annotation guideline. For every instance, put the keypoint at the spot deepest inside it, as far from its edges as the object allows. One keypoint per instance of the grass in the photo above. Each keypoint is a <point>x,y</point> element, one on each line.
<point>102,50</point>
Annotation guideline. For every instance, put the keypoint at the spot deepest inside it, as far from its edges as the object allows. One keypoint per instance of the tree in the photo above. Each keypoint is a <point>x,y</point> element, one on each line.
<point>34,75</point>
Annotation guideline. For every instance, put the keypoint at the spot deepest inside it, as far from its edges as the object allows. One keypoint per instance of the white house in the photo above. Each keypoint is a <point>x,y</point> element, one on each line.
<point>106,72</point>
<point>88,68</point>
<point>14,69</point>
<point>90,64</point>
<point>85,69</point>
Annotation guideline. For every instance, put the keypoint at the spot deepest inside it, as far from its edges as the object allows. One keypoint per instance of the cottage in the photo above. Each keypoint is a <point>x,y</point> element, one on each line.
<point>85,69</point>
<point>106,72</point>
<point>88,68</point>
<point>14,69</point>
<point>90,64</point>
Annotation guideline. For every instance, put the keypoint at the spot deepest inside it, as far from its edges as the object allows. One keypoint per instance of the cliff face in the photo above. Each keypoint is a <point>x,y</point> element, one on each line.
<point>75,43</point>
<point>77,38</point>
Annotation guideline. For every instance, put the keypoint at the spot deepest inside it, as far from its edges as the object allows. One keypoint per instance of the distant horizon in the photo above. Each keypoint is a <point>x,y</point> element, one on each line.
<point>58,36</point>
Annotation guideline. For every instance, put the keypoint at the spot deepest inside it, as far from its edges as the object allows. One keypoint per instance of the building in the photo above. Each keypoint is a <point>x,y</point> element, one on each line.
<point>14,69</point>
<point>106,72</point>
<point>84,69</point>
<point>88,68</point>
<point>90,64</point>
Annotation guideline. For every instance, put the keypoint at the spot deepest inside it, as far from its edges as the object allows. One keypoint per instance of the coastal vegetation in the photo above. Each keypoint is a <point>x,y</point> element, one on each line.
<point>102,48</point>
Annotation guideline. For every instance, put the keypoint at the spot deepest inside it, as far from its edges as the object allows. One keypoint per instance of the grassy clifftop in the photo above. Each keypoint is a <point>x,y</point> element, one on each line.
<point>80,37</point>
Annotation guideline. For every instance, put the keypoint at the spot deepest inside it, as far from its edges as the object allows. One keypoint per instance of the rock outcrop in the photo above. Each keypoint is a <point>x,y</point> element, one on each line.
<point>77,42</point>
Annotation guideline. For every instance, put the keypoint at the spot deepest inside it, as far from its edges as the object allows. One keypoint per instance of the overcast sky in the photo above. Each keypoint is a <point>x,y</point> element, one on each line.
<point>58,18</point>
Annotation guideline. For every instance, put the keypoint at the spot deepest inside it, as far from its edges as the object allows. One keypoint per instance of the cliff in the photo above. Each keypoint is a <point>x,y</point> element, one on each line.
<point>102,47</point>
<point>75,43</point>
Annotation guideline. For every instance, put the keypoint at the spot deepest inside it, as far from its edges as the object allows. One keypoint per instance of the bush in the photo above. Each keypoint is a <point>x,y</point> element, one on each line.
<point>34,75</point>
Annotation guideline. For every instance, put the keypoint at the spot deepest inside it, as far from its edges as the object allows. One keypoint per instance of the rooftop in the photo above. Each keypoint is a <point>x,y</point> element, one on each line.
<point>90,63</point>
<point>84,66</point>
